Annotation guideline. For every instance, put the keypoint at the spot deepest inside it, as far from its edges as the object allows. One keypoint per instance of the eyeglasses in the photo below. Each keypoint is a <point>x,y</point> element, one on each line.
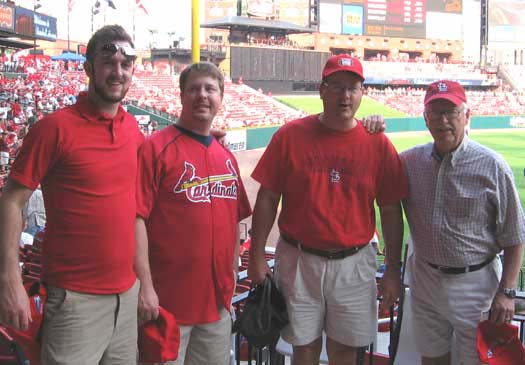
<point>127,51</point>
<point>337,88</point>
<point>449,114</point>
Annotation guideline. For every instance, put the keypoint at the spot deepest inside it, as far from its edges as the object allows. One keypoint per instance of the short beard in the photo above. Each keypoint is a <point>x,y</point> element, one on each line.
<point>104,96</point>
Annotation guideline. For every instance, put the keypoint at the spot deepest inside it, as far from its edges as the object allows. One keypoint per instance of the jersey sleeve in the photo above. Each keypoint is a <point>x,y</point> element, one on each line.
<point>270,171</point>
<point>39,152</point>
<point>393,183</point>
<point>148,179</point>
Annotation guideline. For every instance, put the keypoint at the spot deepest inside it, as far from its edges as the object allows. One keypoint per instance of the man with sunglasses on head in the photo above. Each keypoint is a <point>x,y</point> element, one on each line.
<point>328,171</point>
<point>463,209</point>
<point>85,158</point>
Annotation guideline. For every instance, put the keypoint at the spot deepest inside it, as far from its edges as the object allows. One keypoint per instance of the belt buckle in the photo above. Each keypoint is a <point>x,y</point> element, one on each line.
<point>442,268</point>
<point>334,254</point>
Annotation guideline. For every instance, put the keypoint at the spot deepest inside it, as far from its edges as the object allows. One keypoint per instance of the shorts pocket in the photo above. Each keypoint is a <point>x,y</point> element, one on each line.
<point>56,300</point>
<point>367,264</point>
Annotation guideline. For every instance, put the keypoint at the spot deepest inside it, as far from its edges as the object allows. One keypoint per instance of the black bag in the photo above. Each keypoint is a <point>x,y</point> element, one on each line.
<point>264,315</point>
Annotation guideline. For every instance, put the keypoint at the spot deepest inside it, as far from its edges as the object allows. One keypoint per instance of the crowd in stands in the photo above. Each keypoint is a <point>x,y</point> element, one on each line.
<point>396,70</point>
<point>43,86</point>
<point>260,40</point>
<point>517,74</point>
<point>405,57</point>
<point>481,102</point>
<point>242,105</point>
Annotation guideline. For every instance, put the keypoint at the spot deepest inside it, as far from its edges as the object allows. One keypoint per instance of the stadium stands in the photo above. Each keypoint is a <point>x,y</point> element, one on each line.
<point>483,102</point>
<point>516,74</point>
<point>416,72</point>
<point>242,105</point>
<point>43,86</point>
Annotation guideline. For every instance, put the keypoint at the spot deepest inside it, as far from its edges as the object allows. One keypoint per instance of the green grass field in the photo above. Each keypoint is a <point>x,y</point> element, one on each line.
<point>509,143</point>
<point>312,105</point>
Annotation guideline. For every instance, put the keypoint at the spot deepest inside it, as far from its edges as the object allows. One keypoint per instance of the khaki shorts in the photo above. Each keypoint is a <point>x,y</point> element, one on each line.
<point>87,329</point>
<point>208,343</point>
<point>444,304</point>
<point>338,297</point>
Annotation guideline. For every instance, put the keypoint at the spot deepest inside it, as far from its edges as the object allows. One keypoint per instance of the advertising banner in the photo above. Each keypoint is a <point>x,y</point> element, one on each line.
<point>45,27</point>
<point>353,19</point>
<point>236,140</point>
<point>24,21</point>
<point>7,17</point>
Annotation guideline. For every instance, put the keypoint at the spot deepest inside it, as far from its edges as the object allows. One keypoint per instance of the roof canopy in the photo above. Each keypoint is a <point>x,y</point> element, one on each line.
<point>256,25</point>
<point>69,56</point>
<point>12,43</point>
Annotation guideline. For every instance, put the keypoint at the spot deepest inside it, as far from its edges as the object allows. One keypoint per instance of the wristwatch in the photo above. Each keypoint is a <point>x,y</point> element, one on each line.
<point>509,292</point>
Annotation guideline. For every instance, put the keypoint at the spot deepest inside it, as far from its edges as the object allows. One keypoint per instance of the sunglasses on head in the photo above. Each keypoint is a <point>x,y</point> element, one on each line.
<point>127,51</point>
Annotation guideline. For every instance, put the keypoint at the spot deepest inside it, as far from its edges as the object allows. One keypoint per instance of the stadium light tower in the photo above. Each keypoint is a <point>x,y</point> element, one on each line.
<point>95,9</point>
<point>195,43</point>
<point>36,6</point>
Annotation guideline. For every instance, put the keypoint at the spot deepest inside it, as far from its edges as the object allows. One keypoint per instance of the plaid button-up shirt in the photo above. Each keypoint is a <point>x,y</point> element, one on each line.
<point>462,208</point>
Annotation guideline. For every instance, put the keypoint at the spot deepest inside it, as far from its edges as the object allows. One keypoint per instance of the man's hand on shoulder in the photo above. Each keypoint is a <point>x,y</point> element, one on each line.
<point>219,135</point>
<point>374,124</point>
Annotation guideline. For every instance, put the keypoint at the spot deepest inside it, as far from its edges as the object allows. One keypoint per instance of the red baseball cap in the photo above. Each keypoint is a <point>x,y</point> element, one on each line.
<point>499,344</point>
<point>343,62</point>
<point>159,339</point>
<point>445,89</point>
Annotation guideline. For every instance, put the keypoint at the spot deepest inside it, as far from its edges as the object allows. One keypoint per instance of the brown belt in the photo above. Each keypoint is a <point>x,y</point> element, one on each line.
<point>461,270</point>
<point>332,254</point>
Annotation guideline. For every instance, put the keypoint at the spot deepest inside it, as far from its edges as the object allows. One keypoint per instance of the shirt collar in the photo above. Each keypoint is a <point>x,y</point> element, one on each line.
<point>91,113</point>
<point>453,156</point>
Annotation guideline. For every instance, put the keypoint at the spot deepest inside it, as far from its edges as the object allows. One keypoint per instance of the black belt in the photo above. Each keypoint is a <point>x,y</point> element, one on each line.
<point>461,270</point>
<point>332,254</point>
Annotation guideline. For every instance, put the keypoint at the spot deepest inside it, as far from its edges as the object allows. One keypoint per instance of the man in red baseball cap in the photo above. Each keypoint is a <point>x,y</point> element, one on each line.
<point>329,171</point>
<point>463,209</point>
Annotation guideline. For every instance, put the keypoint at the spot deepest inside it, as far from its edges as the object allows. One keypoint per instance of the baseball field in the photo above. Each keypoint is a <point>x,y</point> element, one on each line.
<point>312,104</point>
<point>510,143</point>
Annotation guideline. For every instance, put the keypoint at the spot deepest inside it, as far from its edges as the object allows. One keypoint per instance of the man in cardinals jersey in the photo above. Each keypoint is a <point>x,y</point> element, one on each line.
<point>328,171</point>
<point>85,158</point>
<point>190,198</point>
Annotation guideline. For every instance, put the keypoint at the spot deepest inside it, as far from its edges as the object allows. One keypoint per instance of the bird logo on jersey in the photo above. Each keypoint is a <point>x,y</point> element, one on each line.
<point>201,189</point>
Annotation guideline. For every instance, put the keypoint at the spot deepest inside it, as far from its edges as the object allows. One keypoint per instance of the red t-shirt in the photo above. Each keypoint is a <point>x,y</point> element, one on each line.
<point>192,198</point>
<point>16,109</point>
<point>329,181</point>
<point>87,164</point>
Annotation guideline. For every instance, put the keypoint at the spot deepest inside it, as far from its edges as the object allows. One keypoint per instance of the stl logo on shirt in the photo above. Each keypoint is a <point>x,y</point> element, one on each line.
<point>201,189</point>
<point>335,176</point>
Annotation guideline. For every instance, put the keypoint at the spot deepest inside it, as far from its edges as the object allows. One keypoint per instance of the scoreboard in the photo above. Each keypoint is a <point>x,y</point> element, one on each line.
<point>390,18</point>
<point>395,18</point>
